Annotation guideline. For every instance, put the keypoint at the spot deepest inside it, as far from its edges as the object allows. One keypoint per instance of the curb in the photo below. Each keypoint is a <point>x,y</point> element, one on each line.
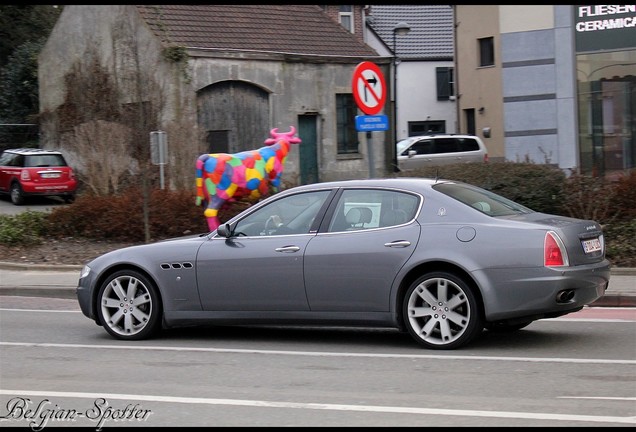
<point>54,291</point>
<point>41,267</point>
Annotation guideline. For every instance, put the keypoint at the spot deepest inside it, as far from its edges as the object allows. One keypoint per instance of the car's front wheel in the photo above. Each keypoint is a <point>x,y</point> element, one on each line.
<point>441,311</point>
<point>17,197</point>
<point>128,305</point>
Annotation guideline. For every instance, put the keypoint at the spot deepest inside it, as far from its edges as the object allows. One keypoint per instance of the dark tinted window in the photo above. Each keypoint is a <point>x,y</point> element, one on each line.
<point>486,52</point>
<point>17,161</point>
<point>346,111</point>
<point>422,147</point>
<point>445,84</point>
<point>468,144</point>
<point>446,145</point>
<point>45,160</point>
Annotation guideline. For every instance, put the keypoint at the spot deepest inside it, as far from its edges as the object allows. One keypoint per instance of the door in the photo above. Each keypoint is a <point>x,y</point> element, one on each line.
<point>308,149</point>
<point>351,266</point>
<point>260,268</point>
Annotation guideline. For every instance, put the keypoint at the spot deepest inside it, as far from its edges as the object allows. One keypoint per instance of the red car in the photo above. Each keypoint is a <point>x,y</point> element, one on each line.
<point>29,171</point>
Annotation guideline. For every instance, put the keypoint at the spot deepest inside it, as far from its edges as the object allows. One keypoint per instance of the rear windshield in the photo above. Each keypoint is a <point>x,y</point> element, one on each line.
<point>485,201</point>
<point>46,160</point>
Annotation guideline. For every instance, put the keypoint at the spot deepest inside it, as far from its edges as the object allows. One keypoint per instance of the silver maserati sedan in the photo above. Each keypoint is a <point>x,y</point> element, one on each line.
<point>439,259</point>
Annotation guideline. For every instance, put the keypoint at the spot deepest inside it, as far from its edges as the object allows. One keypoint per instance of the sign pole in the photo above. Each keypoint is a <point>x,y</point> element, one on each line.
<point>370,150</point>
<point>369,91</point>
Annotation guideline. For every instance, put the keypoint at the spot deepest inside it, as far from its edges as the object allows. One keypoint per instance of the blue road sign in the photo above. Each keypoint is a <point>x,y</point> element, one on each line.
<point>370,123</point>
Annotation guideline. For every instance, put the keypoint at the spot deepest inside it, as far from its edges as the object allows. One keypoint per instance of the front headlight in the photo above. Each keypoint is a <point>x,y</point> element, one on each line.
<point>85,271</point>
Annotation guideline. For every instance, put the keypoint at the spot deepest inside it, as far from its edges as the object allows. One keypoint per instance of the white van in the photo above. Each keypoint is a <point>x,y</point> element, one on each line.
<point>429,150</point>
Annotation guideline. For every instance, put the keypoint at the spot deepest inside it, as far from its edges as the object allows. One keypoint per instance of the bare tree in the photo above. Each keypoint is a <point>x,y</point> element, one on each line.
<point>103,152</point>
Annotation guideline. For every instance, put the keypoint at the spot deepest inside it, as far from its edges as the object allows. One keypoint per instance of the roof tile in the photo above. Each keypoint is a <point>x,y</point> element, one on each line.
<point>293,29</point>
<point>431,35</point>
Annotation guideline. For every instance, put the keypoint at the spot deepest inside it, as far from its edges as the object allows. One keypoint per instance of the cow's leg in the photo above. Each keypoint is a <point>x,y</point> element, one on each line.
<point>212,211</point>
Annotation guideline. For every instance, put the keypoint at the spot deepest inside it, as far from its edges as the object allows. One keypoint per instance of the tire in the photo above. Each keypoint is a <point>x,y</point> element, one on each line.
<point>441,311</point>
<point>17,197</point>
<point>128,306</point>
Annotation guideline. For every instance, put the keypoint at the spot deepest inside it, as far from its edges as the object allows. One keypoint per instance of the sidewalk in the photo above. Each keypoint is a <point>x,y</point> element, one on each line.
<point>60,281</point>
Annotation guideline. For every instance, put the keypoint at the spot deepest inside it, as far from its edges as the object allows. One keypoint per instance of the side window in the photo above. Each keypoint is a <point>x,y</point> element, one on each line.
<point>446,145</point>
<point>5,159</point>
<point>293,214</point>
<point>468,144</point>
<point>423,147</point>
<point>17,161</point>
<point>362,209</point>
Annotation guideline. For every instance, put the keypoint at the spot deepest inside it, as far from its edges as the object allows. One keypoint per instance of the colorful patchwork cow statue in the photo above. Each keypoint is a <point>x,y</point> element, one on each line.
<point>222,177</point>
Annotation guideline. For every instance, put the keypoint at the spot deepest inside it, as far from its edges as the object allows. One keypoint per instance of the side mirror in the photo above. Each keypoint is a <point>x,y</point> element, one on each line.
<point>412,153</point>
<point>224,230</point>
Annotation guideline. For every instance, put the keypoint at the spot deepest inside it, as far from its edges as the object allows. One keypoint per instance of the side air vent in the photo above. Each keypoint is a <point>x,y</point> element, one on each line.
<point>176,266</point>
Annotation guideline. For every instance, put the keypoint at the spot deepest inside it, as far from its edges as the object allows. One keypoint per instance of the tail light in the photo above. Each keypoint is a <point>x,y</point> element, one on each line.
<point>485,157</point>
<point>554,253</point>
<point>71,174</point>
<point>25,175</point>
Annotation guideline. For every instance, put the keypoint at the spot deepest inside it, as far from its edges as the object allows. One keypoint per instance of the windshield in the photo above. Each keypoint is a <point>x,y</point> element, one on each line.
<point>403,145</point>
<point>485,201</point>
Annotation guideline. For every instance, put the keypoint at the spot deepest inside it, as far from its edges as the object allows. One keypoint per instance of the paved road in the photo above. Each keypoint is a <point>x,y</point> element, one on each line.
<point>32,204</point>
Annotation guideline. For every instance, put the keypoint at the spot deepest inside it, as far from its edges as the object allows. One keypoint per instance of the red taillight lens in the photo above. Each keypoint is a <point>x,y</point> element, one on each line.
<point>553,251</point>
<point>486,157</point>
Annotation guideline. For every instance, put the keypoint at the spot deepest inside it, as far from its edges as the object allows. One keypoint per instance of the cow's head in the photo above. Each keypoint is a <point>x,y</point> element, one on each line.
<point>287,136</point>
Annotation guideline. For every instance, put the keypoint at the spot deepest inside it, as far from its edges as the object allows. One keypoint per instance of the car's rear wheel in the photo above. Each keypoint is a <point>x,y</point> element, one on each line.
<point>128,305</point>
<point>441,311</point>
<point>17,197</point>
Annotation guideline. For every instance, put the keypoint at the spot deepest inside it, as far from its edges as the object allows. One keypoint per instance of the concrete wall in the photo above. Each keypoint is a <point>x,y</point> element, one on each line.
<point>479,87</point>
<point>296,89</point>
<point>529,96</point>
<point>301,86</point>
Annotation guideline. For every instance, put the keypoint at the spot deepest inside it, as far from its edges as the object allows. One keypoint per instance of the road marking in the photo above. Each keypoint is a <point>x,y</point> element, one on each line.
<point>327,406</point>
<point>319,354</point>
<point>40,310</point>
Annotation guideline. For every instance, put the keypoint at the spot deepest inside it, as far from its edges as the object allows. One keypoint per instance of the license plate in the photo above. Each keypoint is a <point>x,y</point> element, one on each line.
<point>592,245</point>
<point>50,175</point>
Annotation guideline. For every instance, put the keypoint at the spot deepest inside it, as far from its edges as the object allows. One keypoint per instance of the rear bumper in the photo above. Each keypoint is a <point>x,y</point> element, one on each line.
<point>541,292</point>
<point>53,189</point>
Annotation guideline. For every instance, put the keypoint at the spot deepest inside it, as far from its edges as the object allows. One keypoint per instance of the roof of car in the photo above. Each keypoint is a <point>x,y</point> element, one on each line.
<point>433,135</point>
<point>412,183</point>
<point>31,151</point>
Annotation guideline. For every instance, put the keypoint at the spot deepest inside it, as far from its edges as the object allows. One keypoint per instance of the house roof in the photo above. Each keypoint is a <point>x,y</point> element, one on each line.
<point>431,35</point>
<point>290,29</point>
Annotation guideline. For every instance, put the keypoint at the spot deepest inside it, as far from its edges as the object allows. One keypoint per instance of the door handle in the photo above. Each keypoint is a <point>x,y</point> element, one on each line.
<point>287,249</point>
<point>399,243</point>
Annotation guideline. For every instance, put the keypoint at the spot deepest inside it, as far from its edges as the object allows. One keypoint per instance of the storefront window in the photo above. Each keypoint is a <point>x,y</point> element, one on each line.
<point>606,86</point>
